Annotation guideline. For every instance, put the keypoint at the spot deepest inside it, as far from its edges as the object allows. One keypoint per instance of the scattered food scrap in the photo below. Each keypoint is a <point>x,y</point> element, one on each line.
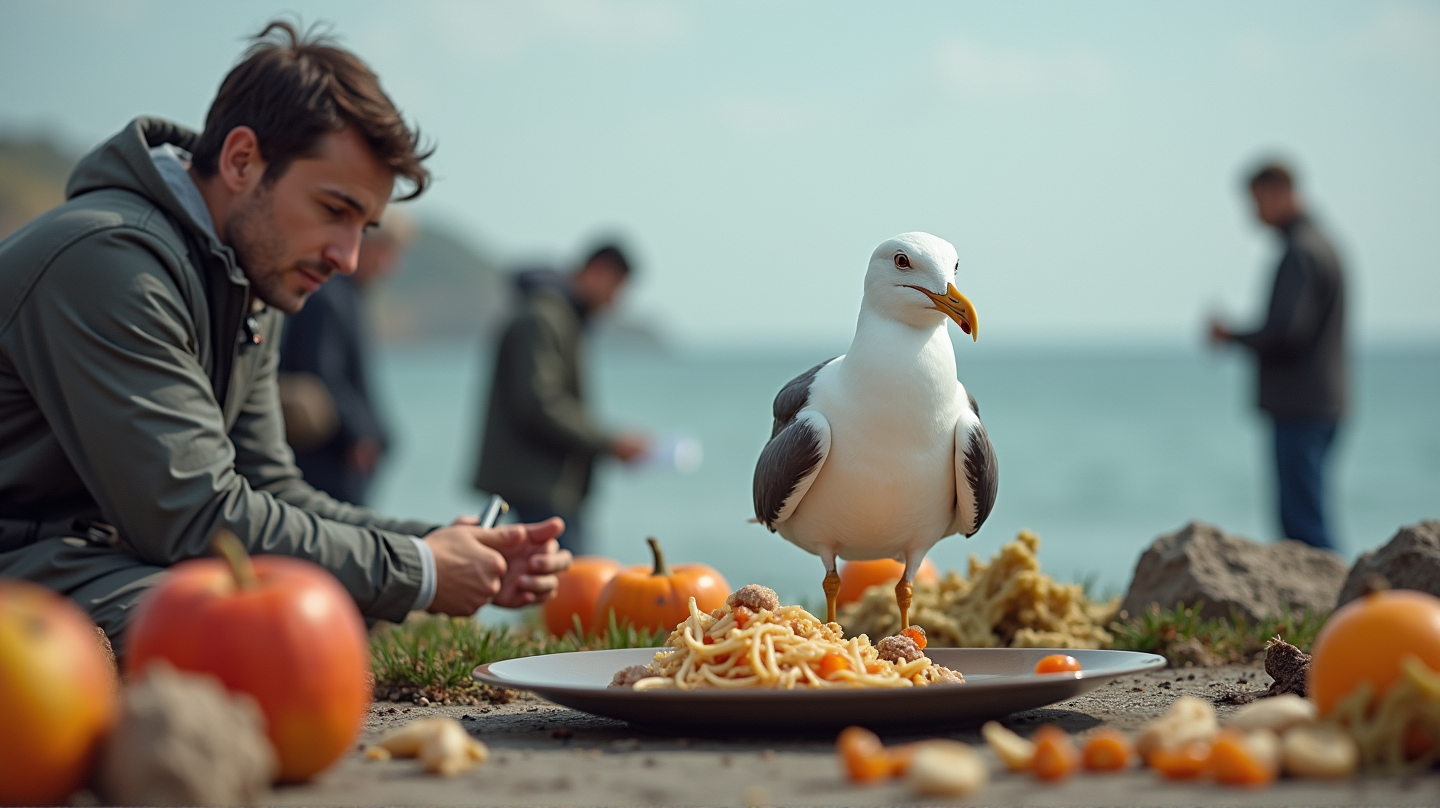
<point>441,743</point>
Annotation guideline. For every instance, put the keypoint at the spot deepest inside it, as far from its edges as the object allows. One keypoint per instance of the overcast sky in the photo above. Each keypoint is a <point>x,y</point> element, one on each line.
<point>1085,158</point>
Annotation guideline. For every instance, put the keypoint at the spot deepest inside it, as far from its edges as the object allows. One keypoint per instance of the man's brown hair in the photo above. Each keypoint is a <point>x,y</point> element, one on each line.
<point>294,89</point>
<point>1272,175</point>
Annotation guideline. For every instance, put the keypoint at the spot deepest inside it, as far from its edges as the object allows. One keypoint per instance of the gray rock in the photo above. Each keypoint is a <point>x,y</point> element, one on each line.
<point>1410,561</point>
<point>1201,564</point>
<point>181,739</point>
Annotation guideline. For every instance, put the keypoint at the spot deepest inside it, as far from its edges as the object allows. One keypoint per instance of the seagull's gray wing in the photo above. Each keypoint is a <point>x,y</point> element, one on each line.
<point>788,466</point>
<point>793,397</point>
<point>789,463</point>
<point>977,472</point>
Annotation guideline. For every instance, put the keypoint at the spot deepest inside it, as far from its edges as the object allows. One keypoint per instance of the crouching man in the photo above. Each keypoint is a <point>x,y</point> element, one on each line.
<point>139,334</point>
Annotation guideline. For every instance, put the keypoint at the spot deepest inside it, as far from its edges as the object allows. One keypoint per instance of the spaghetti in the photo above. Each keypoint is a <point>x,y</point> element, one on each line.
<point>752,642</point>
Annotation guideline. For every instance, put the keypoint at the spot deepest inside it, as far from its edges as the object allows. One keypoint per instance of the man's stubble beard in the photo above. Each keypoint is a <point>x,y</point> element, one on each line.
<point>253,234</point>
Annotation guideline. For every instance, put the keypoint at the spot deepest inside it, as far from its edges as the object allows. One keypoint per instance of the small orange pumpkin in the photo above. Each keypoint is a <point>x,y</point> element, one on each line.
<point>578,592</point>
<point>658,597</point>
<point>858,576</point>
<point>57,695</point>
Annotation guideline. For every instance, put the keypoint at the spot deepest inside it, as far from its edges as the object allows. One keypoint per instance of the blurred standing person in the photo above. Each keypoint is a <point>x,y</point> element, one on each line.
<point>331,419</point>
<point>541,439</point>
<point>1300,350</point>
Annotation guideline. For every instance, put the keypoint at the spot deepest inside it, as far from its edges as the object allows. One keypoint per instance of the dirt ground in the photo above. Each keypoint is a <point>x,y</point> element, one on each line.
<point>542,754</point>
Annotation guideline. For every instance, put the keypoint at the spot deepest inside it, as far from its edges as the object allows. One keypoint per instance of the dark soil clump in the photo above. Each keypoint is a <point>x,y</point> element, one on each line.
<point>1288,666</point>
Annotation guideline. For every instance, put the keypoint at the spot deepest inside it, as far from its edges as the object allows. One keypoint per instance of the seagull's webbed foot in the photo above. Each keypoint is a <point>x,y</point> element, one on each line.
<point>904,594</point>
<point>832,591</point>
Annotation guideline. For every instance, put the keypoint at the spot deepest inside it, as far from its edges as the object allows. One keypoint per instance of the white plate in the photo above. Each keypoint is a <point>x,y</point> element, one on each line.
<point>998,681</point>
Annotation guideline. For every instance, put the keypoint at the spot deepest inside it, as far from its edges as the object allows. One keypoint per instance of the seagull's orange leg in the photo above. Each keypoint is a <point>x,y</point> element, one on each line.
<point>904,592</point>
<point>832,591</point>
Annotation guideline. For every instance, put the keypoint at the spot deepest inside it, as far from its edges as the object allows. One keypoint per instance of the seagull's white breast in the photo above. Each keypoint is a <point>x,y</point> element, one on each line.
<point>887,487</point>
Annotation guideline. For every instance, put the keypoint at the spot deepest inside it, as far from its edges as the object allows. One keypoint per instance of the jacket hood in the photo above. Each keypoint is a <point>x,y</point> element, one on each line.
<point>124,161</point>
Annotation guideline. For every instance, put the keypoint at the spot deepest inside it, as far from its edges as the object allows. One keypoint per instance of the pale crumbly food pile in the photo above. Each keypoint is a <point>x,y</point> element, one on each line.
<point>1007,602</point>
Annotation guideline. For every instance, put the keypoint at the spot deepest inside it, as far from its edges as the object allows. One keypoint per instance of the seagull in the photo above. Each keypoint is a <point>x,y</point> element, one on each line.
<point>880,453</point>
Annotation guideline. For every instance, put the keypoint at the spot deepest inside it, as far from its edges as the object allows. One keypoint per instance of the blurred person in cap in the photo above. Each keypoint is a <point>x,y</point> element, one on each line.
<point>1300,354</point>
<point>139,344</point>
<point>541,439</point>
<point>331,421</point>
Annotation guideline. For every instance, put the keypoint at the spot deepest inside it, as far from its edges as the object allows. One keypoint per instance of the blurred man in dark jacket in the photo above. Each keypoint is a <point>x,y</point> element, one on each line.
<point>541,440</point>
<point>1300,349</point>
<point>328,341</point>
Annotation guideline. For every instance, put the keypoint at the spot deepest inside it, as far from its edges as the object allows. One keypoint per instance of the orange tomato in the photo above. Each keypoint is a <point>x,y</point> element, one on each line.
<point>1107,750</point>
<point>658,597</point>
<point>916,635</point>
<point>863,756</point>
<point>1055,756</point>
<point>1235,764</point>
<point>832,663</point>
<point>1057,663</point>
<point>57,695</point>
<point>858,576</point>
<point>1365,640</point>
<point>278,628</point>
<point>1182,763</point>
<point>576,596</point>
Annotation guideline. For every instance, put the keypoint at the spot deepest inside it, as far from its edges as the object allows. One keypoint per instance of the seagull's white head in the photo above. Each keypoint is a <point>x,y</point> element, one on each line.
<point>912,279</point>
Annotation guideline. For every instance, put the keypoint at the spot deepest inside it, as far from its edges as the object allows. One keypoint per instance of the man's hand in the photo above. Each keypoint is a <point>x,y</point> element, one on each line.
<point>511,565</point>
<point>468,574</point>
<point>364,455</point>
<point>533,558</point>
<point>630,446</point>
<point>1219,334</point>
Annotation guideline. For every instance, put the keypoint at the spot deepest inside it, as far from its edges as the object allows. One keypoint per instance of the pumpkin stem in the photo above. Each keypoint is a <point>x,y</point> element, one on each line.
<point>227,546</point>
<point>660,568</point>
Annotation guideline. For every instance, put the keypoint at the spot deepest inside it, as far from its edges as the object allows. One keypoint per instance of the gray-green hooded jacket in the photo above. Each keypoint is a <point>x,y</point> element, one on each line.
<point>138,408</point>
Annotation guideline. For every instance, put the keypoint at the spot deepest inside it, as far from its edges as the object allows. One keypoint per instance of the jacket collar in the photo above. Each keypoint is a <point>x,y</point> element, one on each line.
<point>124,161</point>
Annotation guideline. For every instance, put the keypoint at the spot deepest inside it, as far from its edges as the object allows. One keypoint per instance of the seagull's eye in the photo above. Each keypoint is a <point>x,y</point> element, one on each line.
<point>957,265</point>
<point>902,261</point>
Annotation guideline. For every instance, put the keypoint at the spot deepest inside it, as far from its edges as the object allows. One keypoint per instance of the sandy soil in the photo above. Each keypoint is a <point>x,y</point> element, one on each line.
<point>548,755</point>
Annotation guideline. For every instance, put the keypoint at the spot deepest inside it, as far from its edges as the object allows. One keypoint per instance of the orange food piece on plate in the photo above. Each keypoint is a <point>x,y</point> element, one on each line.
<point>1057,663</point>
<point>832,663</point>
<point>1055,756</point>
<point>1107,750</point>
<point>863,756</point>
<point>916,635</point>
<point>1235,764</point>
<point>743,615</point>
<point>1184,762</point>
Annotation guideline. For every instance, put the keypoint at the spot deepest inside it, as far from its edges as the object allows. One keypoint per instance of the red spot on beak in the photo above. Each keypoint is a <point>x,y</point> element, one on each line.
<point>964,326</point>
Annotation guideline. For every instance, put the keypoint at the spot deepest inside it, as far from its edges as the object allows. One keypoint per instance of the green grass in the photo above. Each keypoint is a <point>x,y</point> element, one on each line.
<point>1228,640</point>
<point>433,656</point>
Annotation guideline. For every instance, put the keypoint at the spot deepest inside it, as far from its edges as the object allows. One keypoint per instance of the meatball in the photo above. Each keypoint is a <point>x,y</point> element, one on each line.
<point>755,598</point>
<point>898,649</point>
<point>629,676</point>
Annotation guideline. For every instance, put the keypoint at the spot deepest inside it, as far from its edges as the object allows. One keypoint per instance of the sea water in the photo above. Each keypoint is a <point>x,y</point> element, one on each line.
<point>1099,452</point>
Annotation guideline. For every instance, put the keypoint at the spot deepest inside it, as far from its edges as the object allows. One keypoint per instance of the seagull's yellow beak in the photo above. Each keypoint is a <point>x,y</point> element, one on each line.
<point>956,306</point>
